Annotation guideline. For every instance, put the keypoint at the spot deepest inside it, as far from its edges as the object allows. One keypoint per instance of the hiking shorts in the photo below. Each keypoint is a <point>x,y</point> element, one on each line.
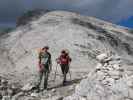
<point>64,68</point>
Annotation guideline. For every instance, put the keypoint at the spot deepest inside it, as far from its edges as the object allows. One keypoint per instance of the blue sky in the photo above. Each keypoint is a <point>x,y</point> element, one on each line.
<point>110,10</point>
<point>127,22</point>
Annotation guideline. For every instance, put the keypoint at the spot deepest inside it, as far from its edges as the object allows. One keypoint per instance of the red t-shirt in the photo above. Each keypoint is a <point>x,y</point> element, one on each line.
<point>64,59</point>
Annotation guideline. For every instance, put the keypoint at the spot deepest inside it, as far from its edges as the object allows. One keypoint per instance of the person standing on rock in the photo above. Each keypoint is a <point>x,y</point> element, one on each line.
<point>64,61</point>
<point>45,66</point>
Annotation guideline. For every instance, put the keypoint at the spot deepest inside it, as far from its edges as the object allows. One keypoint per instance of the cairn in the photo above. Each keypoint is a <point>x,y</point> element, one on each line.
<point>108,81</point>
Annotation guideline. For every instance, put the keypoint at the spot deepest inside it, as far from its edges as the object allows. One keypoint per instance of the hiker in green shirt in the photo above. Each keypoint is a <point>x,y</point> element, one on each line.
<point>45,66</point>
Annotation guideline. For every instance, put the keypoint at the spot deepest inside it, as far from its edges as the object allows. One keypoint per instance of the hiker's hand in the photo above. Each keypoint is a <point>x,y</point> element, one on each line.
<point>58,61</point>
<point>40,68</point>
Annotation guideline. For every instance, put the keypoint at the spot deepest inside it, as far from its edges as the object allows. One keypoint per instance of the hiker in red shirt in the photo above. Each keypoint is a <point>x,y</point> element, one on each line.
<point>64,61</point>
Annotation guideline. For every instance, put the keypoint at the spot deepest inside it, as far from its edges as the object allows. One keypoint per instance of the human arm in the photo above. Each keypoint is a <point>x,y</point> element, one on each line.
<point>69,59</point>
<point>58,60</point>
<point>50,62</point>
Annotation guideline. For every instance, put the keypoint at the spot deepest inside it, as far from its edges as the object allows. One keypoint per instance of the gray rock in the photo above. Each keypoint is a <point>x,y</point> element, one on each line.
<point>93,96</point>
<point>102,57</point>
<point>53,90</point>
<point>6,98</point>
<point>130,93</point>
<point>10,92</point>
<point>114,73</point>
<point>109,82</point>
<point>71,87</point>
<point>100,75</point>
<point>116,66</point>
<point>27,87</point>
<point>15,97</point>
<point>34,94</point>
<point>83,88</point>
<point>73,97</point>
<point>99,65</point>
<point>4,93</point>
<point>3,81</point>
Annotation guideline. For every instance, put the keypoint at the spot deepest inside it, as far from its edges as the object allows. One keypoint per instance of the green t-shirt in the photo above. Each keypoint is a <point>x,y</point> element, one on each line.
<point>45,58</point>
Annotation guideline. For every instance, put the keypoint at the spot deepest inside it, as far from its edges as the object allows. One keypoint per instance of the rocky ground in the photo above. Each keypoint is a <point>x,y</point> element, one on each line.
<point>55,91</point>
<point>109,81</point>
<point>8,89</point>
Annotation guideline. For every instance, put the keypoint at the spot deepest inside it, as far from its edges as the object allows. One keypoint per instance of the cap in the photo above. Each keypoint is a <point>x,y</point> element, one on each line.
<point>63,51</point>
<point>45,47</point>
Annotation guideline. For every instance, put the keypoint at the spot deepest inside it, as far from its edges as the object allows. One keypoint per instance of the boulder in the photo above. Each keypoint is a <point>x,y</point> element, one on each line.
<point>18,95</point>
<point>34,94</point>
<point>6,98</point>
<point>27,87</point>
<point>102,57</point>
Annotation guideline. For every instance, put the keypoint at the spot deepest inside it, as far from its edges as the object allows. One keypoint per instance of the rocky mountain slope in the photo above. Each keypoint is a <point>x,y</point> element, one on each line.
<point>85,37</point>
<point>109,81</point>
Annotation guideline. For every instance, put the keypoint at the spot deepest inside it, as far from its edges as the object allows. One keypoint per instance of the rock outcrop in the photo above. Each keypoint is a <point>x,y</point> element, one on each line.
<point>108,81</point>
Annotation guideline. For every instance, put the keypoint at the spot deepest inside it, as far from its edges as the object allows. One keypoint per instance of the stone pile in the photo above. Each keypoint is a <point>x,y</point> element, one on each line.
<point>108,81</point>
<point>108,70</point>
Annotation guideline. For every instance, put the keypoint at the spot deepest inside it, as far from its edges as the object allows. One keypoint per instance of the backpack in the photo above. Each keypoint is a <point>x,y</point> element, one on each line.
<point>64,59</point>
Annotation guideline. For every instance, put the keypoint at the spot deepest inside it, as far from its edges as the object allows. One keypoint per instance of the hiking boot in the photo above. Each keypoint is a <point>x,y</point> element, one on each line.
<point>64,83</point>
<point>45,88</point>
<point>37,90</point>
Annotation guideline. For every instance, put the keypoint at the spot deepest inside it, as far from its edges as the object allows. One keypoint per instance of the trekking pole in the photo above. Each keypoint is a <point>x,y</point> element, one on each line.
<point>55,72</point>
<point>70,75</point>
<point>70,72</point>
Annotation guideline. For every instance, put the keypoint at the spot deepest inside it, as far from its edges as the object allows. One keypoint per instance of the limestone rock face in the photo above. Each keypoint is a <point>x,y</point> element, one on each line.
<point>84,37</point>
<point>106,82</point>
